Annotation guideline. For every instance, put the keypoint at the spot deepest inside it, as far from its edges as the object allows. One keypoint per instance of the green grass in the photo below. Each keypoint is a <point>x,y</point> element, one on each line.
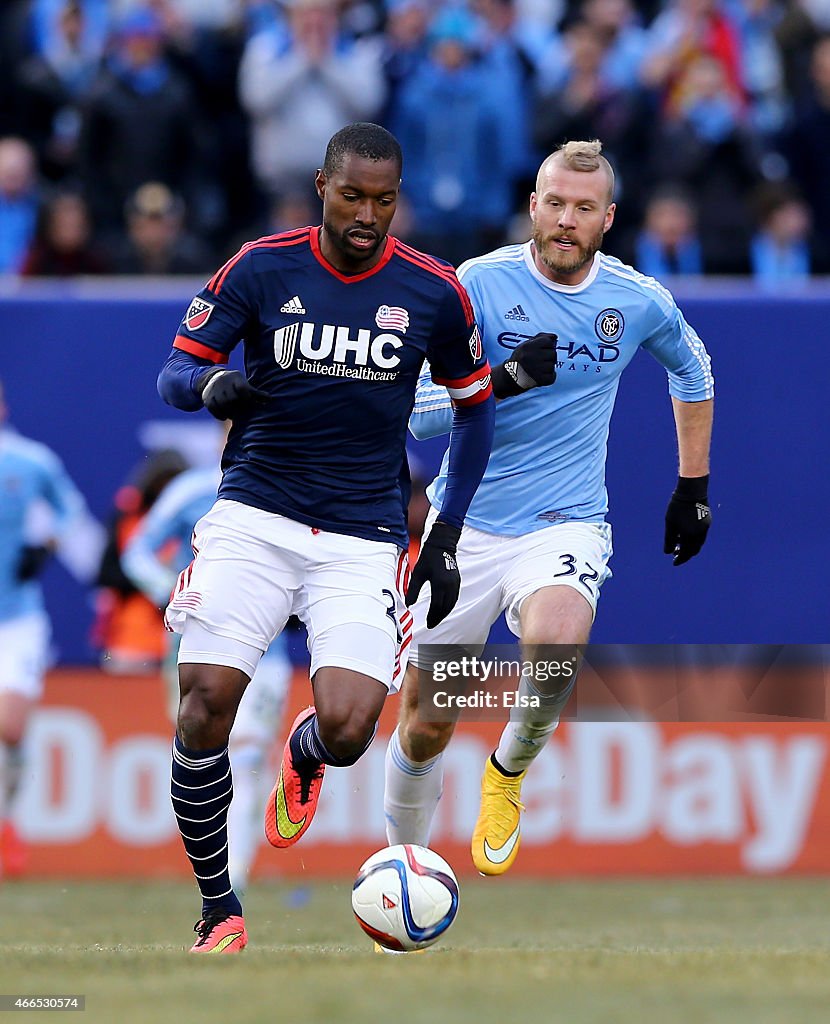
<point>735,951</point>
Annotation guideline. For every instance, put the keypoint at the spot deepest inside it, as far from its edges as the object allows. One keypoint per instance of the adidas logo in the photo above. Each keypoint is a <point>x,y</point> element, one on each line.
<point>293,306</point>
<point>517,313</point>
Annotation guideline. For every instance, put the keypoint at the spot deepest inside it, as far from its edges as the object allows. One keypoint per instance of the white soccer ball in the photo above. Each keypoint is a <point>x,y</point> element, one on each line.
<point>405,897</point>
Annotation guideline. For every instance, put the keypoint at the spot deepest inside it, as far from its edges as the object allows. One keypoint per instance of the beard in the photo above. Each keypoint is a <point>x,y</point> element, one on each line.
<point>340,240</point>
<point>570,262</point>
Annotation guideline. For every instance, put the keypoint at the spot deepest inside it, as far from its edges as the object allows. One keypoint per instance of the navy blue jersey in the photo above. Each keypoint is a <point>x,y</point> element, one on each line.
<point>340,357</point>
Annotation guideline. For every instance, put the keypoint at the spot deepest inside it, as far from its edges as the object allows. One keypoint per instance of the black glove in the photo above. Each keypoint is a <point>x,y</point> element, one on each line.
<point>532,365</point>
<point>688,518</point>
<point>32,559</point>
<point>437,566</point>
<point>226,393</point>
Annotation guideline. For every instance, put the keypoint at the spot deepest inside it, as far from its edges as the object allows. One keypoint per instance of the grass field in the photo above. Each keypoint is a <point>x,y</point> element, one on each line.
<point>731,951</point>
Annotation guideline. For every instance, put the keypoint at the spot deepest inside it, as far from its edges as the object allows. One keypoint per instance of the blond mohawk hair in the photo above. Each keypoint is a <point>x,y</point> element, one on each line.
<point>581,156</point>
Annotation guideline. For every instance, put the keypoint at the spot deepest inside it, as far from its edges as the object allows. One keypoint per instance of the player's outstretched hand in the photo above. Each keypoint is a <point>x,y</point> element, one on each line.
<point>33,558</point>
<point>532,365</point>
<point>226,393</point>
<point>437,566</point>
<point>688,518</point>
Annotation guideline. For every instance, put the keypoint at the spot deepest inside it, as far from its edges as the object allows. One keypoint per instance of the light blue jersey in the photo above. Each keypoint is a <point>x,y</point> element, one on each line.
<point>30,475</point>
<point>547,463</point>
<point>160,548</point>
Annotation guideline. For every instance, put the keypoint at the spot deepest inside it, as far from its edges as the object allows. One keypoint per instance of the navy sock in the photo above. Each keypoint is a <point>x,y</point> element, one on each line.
<point>308,749</point>
<point>201,789</point>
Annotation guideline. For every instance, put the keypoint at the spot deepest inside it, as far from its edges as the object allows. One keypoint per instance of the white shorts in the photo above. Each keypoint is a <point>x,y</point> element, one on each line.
<point>498,573</point>
<point>253,569</point>
<point>24,649</point>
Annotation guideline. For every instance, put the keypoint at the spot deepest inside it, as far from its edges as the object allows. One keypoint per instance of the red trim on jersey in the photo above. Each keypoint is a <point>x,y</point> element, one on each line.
<point>464,382</point>
<point>266,242</point>
<point>194,348</point>
<point>421,259</point>
<point>479,396</point>
<point>389,248</point>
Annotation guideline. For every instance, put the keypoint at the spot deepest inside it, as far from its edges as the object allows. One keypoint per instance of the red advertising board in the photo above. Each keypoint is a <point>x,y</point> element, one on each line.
<point>603,798</point>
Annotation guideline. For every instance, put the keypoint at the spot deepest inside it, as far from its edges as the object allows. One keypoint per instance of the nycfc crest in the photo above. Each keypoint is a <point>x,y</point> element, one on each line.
<point>609,326</point>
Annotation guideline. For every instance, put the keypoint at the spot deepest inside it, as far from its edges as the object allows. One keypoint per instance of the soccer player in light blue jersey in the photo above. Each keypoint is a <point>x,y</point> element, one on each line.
<point>155,555</point>
<point>560,321</point>
<point>32,478</point>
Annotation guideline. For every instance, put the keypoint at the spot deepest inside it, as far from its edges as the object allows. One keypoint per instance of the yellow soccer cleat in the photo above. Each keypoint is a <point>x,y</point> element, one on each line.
<point>497,832</point>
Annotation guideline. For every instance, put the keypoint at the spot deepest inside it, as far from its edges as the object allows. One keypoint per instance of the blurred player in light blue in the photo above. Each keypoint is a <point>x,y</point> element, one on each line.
<point>560,321</point>
<point>39,504</point>
<point>154,557</point>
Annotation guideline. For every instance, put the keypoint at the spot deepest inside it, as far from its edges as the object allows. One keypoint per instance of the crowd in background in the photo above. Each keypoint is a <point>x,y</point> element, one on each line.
<point>145,137</point>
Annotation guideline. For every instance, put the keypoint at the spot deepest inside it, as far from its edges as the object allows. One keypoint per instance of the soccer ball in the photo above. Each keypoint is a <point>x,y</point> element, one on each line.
<point>405,897</point>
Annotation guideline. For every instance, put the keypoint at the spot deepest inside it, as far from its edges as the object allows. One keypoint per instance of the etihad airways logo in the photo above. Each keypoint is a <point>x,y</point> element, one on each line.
<point>337,352</point>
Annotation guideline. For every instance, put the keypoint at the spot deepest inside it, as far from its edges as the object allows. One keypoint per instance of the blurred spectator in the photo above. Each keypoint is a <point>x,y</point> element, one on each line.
<point>511,50</point>
<point>13,22</point>
<point>585,104</point>
<point>668,243</point>
<point>19,202</point>
<point>129,629</point>
<point>52,85</point>
<point>685,32</point>
<point>47,33</point>
<point>404,49</point>
<point>301,87</point>
<point>807,146</point>
<point>761,61</point>
<point>139,124</point>
<point>457,173</point>
<point>292,210</point>
<point>796,35</point>
<point>782,250</point>
<point>624,38</point>
<point>63,244</point>
<point>704,146</point>
<point>156,241</point>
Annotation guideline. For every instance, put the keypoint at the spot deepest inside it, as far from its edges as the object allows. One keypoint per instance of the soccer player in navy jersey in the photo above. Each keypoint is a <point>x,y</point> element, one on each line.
<point>560,321</point>
<point>336,322</point>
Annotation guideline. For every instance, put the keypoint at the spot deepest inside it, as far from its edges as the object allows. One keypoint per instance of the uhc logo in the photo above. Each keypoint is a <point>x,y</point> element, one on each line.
<point>333,351</point>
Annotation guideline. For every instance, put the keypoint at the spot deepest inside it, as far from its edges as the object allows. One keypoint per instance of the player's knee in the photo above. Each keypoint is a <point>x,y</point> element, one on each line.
<point>347,738</point>
<point>420,740</point>
<point>203,720</point>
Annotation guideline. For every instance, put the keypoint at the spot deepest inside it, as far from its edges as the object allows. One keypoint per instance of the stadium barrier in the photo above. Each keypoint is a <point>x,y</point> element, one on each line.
<point>604,798</point>
<point>80,361</point>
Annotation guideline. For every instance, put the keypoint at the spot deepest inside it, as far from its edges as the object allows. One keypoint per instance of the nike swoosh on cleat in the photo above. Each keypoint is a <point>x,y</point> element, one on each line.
<point>224,943</point>
<point>282,813</point>
<point>500,856</point>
